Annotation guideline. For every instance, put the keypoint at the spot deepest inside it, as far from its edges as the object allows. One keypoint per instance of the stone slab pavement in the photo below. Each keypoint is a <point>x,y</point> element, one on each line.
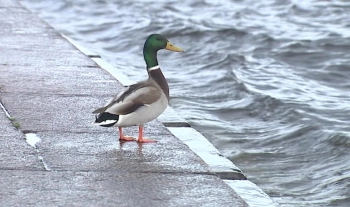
<point>50,88</point>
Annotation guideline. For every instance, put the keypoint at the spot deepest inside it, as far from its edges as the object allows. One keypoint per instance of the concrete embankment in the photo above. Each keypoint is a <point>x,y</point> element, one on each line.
<point>51,154</point>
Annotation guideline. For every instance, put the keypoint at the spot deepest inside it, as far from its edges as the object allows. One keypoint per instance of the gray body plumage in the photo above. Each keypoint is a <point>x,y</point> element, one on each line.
<point>138,104</point>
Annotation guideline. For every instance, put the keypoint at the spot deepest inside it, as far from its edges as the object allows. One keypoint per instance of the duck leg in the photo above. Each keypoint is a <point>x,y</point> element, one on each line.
<point>124,138</point>
<point>141,139</point>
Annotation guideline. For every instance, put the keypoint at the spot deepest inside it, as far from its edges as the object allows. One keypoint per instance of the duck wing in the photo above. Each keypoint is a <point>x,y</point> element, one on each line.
<point>119,97</point>
<point>131,99</point>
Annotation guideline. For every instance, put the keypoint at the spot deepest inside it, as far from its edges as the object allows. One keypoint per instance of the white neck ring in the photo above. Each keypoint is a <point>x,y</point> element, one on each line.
<point>154,68</point>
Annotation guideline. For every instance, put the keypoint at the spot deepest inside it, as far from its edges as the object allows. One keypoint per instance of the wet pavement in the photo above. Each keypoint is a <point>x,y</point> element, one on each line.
<point>50,89</point>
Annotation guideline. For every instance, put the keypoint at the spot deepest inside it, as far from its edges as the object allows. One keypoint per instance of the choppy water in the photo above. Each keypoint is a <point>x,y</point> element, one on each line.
<point>268,82</point>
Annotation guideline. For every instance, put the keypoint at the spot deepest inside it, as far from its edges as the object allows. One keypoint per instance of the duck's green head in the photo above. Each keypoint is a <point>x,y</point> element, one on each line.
<point>154,43</point>
<point>157,42</point>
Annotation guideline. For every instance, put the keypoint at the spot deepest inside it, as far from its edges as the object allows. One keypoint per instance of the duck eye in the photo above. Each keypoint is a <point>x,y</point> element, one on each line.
<point>159,38</point>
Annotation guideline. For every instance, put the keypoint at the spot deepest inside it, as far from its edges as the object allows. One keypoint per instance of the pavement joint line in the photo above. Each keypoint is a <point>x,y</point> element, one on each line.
<point>46,166</point>
<point>13,120</point>
<point>5,110</point>
<point>32,139</point>
<point>180,173</point>
<point>22,169</point>
<point>176,124</point>
<point>139,172</point>
<point>104,170</point>
<point>56,94</point>
<point>41,159</point>
<point>29,131</point>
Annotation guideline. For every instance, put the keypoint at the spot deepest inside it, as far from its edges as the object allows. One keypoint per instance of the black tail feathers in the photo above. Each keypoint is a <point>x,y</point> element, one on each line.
<point>108,118</point>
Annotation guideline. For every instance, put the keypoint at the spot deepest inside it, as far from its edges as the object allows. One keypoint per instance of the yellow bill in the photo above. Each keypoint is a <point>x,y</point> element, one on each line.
<point>171,47</point>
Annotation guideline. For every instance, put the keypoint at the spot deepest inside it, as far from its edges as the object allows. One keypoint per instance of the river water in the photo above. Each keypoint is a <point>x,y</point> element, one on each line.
<point>267,82</point>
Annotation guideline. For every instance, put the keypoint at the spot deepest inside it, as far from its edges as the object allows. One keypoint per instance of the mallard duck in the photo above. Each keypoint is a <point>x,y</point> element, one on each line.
<point>141,102</point>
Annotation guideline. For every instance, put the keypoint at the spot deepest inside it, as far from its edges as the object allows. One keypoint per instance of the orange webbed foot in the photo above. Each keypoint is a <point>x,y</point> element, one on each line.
<point>141,139</point>
<point>145,140</point>
<point>124,138</point>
